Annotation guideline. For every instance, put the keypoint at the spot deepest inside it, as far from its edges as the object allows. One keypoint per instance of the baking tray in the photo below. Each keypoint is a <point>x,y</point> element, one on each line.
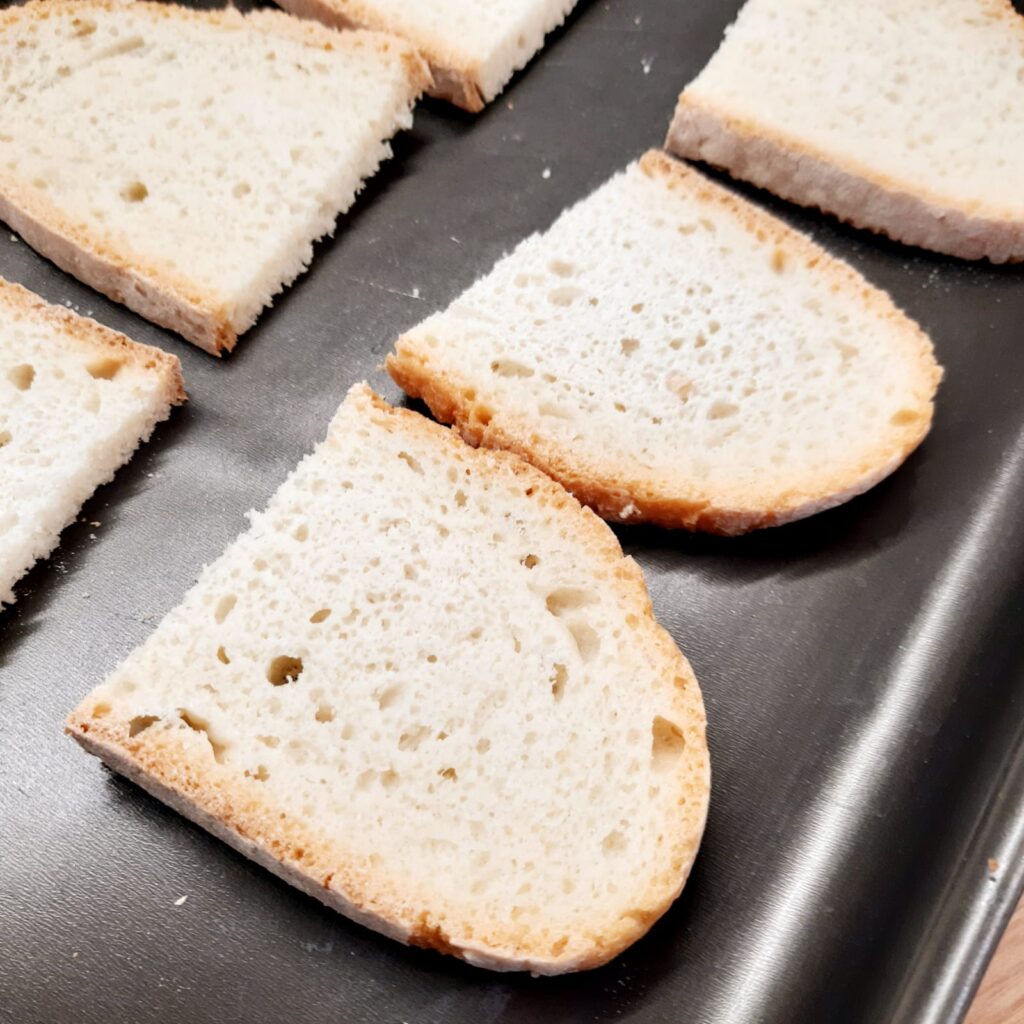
<point>863,670</point>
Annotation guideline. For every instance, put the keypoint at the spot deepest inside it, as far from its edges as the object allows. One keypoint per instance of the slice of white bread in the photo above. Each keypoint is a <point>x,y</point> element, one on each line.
<point>474,46</point>
<point>672,353</point>
<point>76,399</point>
<point>183,162</point>
<point>427,688</point>
<point>902,116</point>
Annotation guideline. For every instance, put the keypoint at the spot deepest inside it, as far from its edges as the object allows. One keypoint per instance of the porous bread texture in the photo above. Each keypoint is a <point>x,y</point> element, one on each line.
<point>427,688</point>
<point>473,46</point>
<point>76,399</point>
<point>900,116</point>
<point>671,353</point>
<point>183,162</point>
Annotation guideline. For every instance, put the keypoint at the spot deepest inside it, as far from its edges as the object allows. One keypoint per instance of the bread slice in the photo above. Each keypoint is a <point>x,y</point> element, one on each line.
<point>904,117</point>
<point>76,400</point>
<point>427,688</point>
<point>474,48</point>
<point>672,353</point>
<point>183,162</point>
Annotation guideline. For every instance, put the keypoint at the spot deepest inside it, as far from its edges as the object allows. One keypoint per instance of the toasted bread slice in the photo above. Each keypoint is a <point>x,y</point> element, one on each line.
<point>427,688</point>
<point>76,399</point>
<point>183,162</point>
<point>474,48</point>
<point>671,353</point>
<point>903,117</point>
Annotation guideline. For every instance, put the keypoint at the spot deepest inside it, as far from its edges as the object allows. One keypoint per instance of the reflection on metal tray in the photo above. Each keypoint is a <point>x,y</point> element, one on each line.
<point>863,670</point>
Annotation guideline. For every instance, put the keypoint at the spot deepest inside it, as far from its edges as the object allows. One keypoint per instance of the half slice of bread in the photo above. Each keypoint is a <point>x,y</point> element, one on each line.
<point>473,47</point>
<point>76,400</point>
<point>183,162</point>
<point>671,353</point>
<point>901,116</point>
<point>427,688</point>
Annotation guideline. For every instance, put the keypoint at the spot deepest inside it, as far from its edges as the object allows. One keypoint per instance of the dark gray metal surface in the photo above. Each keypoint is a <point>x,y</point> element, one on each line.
<point>863,671</point>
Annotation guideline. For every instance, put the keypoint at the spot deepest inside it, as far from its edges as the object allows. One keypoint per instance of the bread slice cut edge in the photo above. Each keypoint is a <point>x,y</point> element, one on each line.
<point>614,490</point>
<point>181,770</point>
<point>856,194</point>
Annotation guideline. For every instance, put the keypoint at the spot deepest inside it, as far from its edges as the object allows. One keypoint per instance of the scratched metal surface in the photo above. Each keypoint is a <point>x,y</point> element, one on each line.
<point>862,671</point>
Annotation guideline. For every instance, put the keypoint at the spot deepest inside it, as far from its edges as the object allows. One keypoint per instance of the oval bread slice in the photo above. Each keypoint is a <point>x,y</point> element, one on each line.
<point>902,116</point>
<point>672,353</point>
<point>427,688</point>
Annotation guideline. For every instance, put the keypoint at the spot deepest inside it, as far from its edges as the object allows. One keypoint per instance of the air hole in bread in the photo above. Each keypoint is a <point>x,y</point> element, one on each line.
<point>680,385</point>
<point>460,498</point>
<point>140,723</point>
<point>562,268</point>
<point>134,192</point>
<point>567,599</point>
<point>614,842</point>
<point>449,773</point>
<point>100,710</point>
<point>5,438</point>
<point>243,188</point>
<point>319,616</point>
<point>387,697</point>
<point>105,368</point>
<point>510,368</point>
<point>629,346</point>
<point>412,738</point>
<point>564,296</point>
<point>552,410</point>
<point>284,669</point>
<point>588,643</point>
<point>260,774</point>
<point>667,743</point>
<point>269,741</point>
<point>22,375</point>
<point>324,713</point>
<point>224,606</point>
<point>222,656</point>
<point>531,561</point>
<point>559,678</point>
<point>482,414</point>
<point>301,532</point>
<point>198,724</point>
<point>722,410</point>
<point>412,463</point>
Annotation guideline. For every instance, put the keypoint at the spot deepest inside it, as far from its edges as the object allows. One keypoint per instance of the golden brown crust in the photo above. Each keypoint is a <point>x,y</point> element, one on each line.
<point>95,336</point>
<point>625,493</point>
<point>177,765</point>
<point>856,193</point>
<point>107,261</point>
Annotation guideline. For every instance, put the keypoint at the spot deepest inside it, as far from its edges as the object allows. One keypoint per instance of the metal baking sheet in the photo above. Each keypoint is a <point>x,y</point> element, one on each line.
<point>863,670</point>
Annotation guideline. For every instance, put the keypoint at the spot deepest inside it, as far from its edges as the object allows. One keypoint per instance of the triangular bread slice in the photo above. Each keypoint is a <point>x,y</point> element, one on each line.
<point>427,688</point>
<point>76,399</point>
<point>183,162</point>
<point>671,353</point>
<point>474,48</point>
<point>904,117</point>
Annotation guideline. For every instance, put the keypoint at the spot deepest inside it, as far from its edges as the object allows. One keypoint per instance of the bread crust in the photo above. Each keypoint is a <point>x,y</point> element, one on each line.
<point>98,339</point>
<point>624,493</point>
<point>854,192</point>
<point>106,261</point>
<point>178,766</point>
